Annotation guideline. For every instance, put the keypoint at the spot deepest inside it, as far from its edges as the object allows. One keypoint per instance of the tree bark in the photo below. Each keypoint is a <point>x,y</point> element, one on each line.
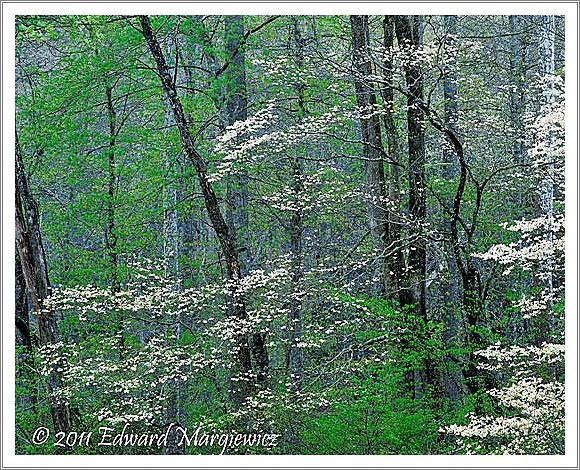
<point>236,300</point>
<point>25,366</point>
<point>373,152</point>
<point>452,377</point>
<point>236,109</point>
<point>413,291</point>
<point>546,68</point>
<point>110,232</point>
<point>171,250</point>
<point>394,261</point>
<point>450,94</point>
<point>23,334</point>
<point>35,273</point>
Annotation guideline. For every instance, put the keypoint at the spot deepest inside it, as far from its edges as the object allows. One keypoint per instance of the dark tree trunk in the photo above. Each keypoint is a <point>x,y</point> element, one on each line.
<point>110,232</point>
<point>25,360</point>
<point>111,228</point>
<point>35,273</point>
<point>394,261</point>
<point>452,377</point>
<point>373,152</point>
<point>413,291</point>
<point>236,300</point>
<point>23,334</point>
<point>470,280</point>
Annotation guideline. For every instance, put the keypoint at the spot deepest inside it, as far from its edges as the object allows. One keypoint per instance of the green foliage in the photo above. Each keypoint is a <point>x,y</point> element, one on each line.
<point>371,414</point>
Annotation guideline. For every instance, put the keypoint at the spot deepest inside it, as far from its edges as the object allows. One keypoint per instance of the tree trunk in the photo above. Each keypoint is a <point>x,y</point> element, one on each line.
<point>236,109</point>
<point>25,366</point>
<point>450,94</point>
<point>546,70</point>
<point>171,250</point>
<point>452,378</point>
<point>413,291</point>
<point>394,261</point>
<point>35,273</point>
<point>110,232</point>
<point>236,300</point>
<point>517,73</point>
<point>111,229</point>
<point>373,152</point>
<point>23,335</point>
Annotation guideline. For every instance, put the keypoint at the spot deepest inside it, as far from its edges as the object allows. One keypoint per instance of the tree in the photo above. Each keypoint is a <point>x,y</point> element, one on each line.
<point>226,238</point>
<point>35,273</point>
<point>394,262</point>
<point>373,152</point>
<point>408,30</point>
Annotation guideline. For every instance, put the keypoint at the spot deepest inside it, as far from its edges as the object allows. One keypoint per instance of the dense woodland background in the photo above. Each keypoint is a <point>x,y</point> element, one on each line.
<point>344,230</point>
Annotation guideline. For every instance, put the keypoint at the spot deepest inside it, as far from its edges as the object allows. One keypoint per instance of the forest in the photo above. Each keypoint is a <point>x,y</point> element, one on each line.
<point>309,234</point>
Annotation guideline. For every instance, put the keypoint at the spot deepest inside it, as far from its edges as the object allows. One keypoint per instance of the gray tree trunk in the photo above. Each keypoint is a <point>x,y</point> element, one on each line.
<point>236,109</point>
<point>546,69</point>
<point>450,94</point>
<point>171,250</point>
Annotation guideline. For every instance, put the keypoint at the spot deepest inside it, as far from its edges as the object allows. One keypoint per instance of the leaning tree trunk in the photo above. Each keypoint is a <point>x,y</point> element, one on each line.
<point>236,300</point>
<point>35,272</point>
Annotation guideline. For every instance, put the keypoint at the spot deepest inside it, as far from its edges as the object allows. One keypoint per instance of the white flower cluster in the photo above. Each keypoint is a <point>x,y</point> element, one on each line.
<point>520,359</point>
<point>533,418</point>
<point>252,142</point>
<point>533,247</point>
<point>536,427</point>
